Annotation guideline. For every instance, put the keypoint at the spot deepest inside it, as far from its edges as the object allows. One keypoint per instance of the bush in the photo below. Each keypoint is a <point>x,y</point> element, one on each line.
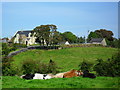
<point>31,66</point>
<point>17,45</point>
<point>109,67</point>
<point>6,67</point>
<point>85,65</point>
<point>7,48</point>
<point>101,67</point>
<point>28,66</point>
<point>52,68</point>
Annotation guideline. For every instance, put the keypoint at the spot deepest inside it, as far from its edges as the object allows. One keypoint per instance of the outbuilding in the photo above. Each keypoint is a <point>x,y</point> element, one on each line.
<point>101,41</point>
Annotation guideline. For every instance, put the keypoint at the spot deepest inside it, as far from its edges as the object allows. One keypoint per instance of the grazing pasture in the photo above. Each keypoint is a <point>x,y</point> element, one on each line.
<point>75,82</point>
<point>66,59</point>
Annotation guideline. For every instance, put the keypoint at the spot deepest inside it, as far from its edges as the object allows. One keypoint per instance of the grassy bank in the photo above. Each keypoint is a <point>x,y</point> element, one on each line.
<point>75,82</point>
<point>68,58</point>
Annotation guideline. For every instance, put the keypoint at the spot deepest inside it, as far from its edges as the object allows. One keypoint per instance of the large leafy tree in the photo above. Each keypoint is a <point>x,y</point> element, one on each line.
<point>45,34</point>
<point>93,35</point>
<point>105,34</point>
<point>102,33</point>
<point>57,38</point>
<point>42,34</point>
<point>70,37</point>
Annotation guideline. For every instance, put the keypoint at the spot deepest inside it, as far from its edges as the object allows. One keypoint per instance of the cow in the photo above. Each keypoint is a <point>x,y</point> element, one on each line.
<point>87,74</point>
<point>36,76</point>
<point>59,75</point>
<point>72,73</point>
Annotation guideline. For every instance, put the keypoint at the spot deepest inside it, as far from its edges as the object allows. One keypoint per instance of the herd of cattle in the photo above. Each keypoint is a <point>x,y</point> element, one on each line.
<point>68,74</point>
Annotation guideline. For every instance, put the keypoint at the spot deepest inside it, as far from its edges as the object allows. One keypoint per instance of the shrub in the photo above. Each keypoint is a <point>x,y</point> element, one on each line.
<point>6,67</point>
<point>109,67</point>
<point>101,67</point>
<point>31,66</point>
<point>42,68</point>
<point>17,45</point>
<point>28,66</point>
<point>52,68</point>
<point>7,48</point>
<point>85,65</point>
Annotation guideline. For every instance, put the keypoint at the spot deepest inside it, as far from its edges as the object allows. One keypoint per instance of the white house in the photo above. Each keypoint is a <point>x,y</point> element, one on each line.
<point>24,37</point>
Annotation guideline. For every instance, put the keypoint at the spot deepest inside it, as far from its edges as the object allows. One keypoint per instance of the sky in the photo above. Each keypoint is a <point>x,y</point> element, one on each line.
<point>76,17</point>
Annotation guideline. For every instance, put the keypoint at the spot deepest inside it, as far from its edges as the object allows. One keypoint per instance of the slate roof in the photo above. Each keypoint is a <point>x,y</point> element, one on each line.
<point>99,40</point>
<point>24,33</point>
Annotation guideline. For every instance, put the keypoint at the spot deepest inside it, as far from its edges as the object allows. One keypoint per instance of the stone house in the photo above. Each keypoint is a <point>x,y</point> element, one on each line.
<point>101,41</point>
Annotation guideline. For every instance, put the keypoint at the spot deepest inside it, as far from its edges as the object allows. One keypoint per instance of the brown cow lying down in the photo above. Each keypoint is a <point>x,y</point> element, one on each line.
<point>72,73</point>
<point>60,75</point>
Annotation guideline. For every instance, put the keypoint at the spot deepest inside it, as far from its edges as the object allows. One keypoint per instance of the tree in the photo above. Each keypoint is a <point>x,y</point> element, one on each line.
<point>45,34</point>
<point>53,33</point>
<point>69,36</point>
<point>57,38</point>
<point>93,35</point>
<point>102,33</point>
<point>81,40</point>
<point>105,34</point>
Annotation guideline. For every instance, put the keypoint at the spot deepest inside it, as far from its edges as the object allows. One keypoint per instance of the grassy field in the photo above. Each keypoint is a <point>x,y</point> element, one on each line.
<point>75,82</point>
<point>68,58</point>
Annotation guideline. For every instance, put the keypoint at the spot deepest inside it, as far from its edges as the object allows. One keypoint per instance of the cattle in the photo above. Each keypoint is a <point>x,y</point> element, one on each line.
<point>60,75</point>
<point>87,74</point>
<point>72,73</point>
<point>36,76</point>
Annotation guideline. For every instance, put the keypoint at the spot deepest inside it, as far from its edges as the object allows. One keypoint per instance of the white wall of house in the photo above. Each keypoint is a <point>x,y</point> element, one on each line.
<point>104,42</point>
<point>26,40</point>
<point>96,43</point>
<point>16,40</point>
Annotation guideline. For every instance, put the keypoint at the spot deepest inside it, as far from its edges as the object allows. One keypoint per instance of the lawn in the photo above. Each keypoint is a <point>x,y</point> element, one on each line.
<point>75,82</point>
<point>68,58</point>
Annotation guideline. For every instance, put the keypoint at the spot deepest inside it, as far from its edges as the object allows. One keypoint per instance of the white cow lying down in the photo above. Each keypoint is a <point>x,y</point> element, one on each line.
<point>36,76</point>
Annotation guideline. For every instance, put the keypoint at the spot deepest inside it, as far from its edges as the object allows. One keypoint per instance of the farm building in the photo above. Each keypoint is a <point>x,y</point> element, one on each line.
<point>101,41</point>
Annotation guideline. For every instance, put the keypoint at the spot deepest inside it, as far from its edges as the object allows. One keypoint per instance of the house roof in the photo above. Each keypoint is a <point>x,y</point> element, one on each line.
<point>96,40</point>
<point>24,32</point>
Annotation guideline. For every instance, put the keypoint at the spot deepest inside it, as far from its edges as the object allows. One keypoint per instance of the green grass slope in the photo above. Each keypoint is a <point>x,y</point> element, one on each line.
<point>75,82</point>
<point>68,58</point>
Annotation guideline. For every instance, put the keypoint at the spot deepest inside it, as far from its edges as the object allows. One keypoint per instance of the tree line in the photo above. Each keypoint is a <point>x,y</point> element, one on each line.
<point>48,35</point>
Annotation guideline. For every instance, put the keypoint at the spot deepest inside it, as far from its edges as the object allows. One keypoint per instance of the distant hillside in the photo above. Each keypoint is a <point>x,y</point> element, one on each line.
<point>68,58</point>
